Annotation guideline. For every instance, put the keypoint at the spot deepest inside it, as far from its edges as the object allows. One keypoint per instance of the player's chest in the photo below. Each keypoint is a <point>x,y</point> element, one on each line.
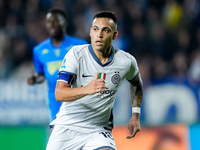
<point>112,74</point>
<point>53,55</point>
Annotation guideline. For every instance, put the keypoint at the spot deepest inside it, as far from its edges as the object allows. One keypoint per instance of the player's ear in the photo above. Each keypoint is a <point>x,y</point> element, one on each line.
<point>115,35</point>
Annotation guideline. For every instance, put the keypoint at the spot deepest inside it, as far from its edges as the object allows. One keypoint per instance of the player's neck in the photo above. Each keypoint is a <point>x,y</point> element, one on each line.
<point>57,41</point>
<point>103,60</point>
<point>103,56</point>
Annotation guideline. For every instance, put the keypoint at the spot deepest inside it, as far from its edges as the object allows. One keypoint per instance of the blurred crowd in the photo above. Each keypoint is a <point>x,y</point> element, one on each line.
<point>163,35</point>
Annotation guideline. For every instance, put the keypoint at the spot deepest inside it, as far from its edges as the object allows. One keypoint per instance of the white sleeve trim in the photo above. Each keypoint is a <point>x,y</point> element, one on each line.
<point>63,81</point>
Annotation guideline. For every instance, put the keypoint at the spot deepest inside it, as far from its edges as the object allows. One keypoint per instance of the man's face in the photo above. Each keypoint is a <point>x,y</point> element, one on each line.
<point>102,33</point>
<point>55,24</point>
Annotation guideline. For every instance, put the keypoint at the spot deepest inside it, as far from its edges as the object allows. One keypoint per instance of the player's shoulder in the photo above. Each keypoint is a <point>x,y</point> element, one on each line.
<point>75,40</point>
<point>122,54</point>
<point>79,49</point>
<point>125,58</point>
<point>41,45</point>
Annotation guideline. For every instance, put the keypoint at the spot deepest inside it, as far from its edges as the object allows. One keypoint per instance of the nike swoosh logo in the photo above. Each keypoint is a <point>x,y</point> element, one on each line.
<point>83,75</point>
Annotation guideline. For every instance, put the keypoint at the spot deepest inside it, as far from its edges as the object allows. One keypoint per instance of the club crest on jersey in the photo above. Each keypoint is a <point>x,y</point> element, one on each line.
<point>116,78</point>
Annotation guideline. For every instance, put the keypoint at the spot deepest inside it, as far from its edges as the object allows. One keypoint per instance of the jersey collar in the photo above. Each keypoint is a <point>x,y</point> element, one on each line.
<point>96,58</point>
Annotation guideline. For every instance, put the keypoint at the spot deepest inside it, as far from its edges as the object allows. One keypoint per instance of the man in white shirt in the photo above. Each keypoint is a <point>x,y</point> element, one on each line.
<point>87,84</point>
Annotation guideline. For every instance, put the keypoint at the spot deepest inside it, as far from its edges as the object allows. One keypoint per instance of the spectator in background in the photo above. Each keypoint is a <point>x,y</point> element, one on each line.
<point>159,69</point>
<point>159,44</point>
<point>138,46</point>
<point>194,69</point>
<point>179,65</point>
<point>48,55</point>
<point>172,14</point>
<point>20,51</point>
<point>183,41</point>
<point>5,56</point>
<point>24,19</point>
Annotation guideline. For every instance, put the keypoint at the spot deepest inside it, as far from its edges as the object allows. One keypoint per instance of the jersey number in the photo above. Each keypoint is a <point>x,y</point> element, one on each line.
<point>107,135</point>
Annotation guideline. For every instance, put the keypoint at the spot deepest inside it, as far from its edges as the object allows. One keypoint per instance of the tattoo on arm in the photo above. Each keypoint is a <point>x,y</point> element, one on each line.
<point>136,90</point>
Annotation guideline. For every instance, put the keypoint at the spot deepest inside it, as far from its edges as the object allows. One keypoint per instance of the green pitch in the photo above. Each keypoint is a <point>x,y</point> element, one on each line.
<point>23,138</point>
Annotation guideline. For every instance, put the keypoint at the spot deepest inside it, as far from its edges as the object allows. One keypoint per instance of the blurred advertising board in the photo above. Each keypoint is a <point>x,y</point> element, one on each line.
<point>167,137</point>
<point>163,102</point>
<point>22,104</point>
<point>166,101</point>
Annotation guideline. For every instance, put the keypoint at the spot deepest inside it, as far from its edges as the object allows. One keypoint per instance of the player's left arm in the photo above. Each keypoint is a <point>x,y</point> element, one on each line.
<point>136,92</point>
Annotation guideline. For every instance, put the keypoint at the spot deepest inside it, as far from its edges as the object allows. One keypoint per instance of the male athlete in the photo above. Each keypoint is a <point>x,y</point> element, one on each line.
<point>48,55</point>
<point>87,84</point>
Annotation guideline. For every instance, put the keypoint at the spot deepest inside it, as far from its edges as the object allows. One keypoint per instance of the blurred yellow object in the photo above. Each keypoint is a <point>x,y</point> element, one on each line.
<point>173,15</point>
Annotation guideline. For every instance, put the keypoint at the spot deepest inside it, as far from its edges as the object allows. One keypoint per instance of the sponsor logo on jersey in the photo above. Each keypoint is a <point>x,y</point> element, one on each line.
<point>116,78</point>
<point>84,76</point>
<point>107,92</point>
<point>53,66</point>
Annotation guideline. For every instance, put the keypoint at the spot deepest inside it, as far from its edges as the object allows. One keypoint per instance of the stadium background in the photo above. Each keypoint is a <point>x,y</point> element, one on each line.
<point>163,35</point>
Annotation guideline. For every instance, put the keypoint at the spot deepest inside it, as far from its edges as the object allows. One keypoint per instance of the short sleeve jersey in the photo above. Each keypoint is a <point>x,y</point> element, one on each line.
<point>79,67</point>
<point>47,60</point>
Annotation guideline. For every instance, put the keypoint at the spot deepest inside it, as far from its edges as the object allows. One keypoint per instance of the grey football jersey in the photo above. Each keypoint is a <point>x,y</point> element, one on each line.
<point>93,112</point>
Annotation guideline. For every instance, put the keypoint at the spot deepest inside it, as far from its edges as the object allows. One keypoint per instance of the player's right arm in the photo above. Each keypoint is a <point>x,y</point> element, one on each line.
<point>64,92</point>
<point>68,74</point>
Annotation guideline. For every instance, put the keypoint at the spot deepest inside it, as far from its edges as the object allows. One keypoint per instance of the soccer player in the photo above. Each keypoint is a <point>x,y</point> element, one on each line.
<point>48,55</point>
<point>87,84</point>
